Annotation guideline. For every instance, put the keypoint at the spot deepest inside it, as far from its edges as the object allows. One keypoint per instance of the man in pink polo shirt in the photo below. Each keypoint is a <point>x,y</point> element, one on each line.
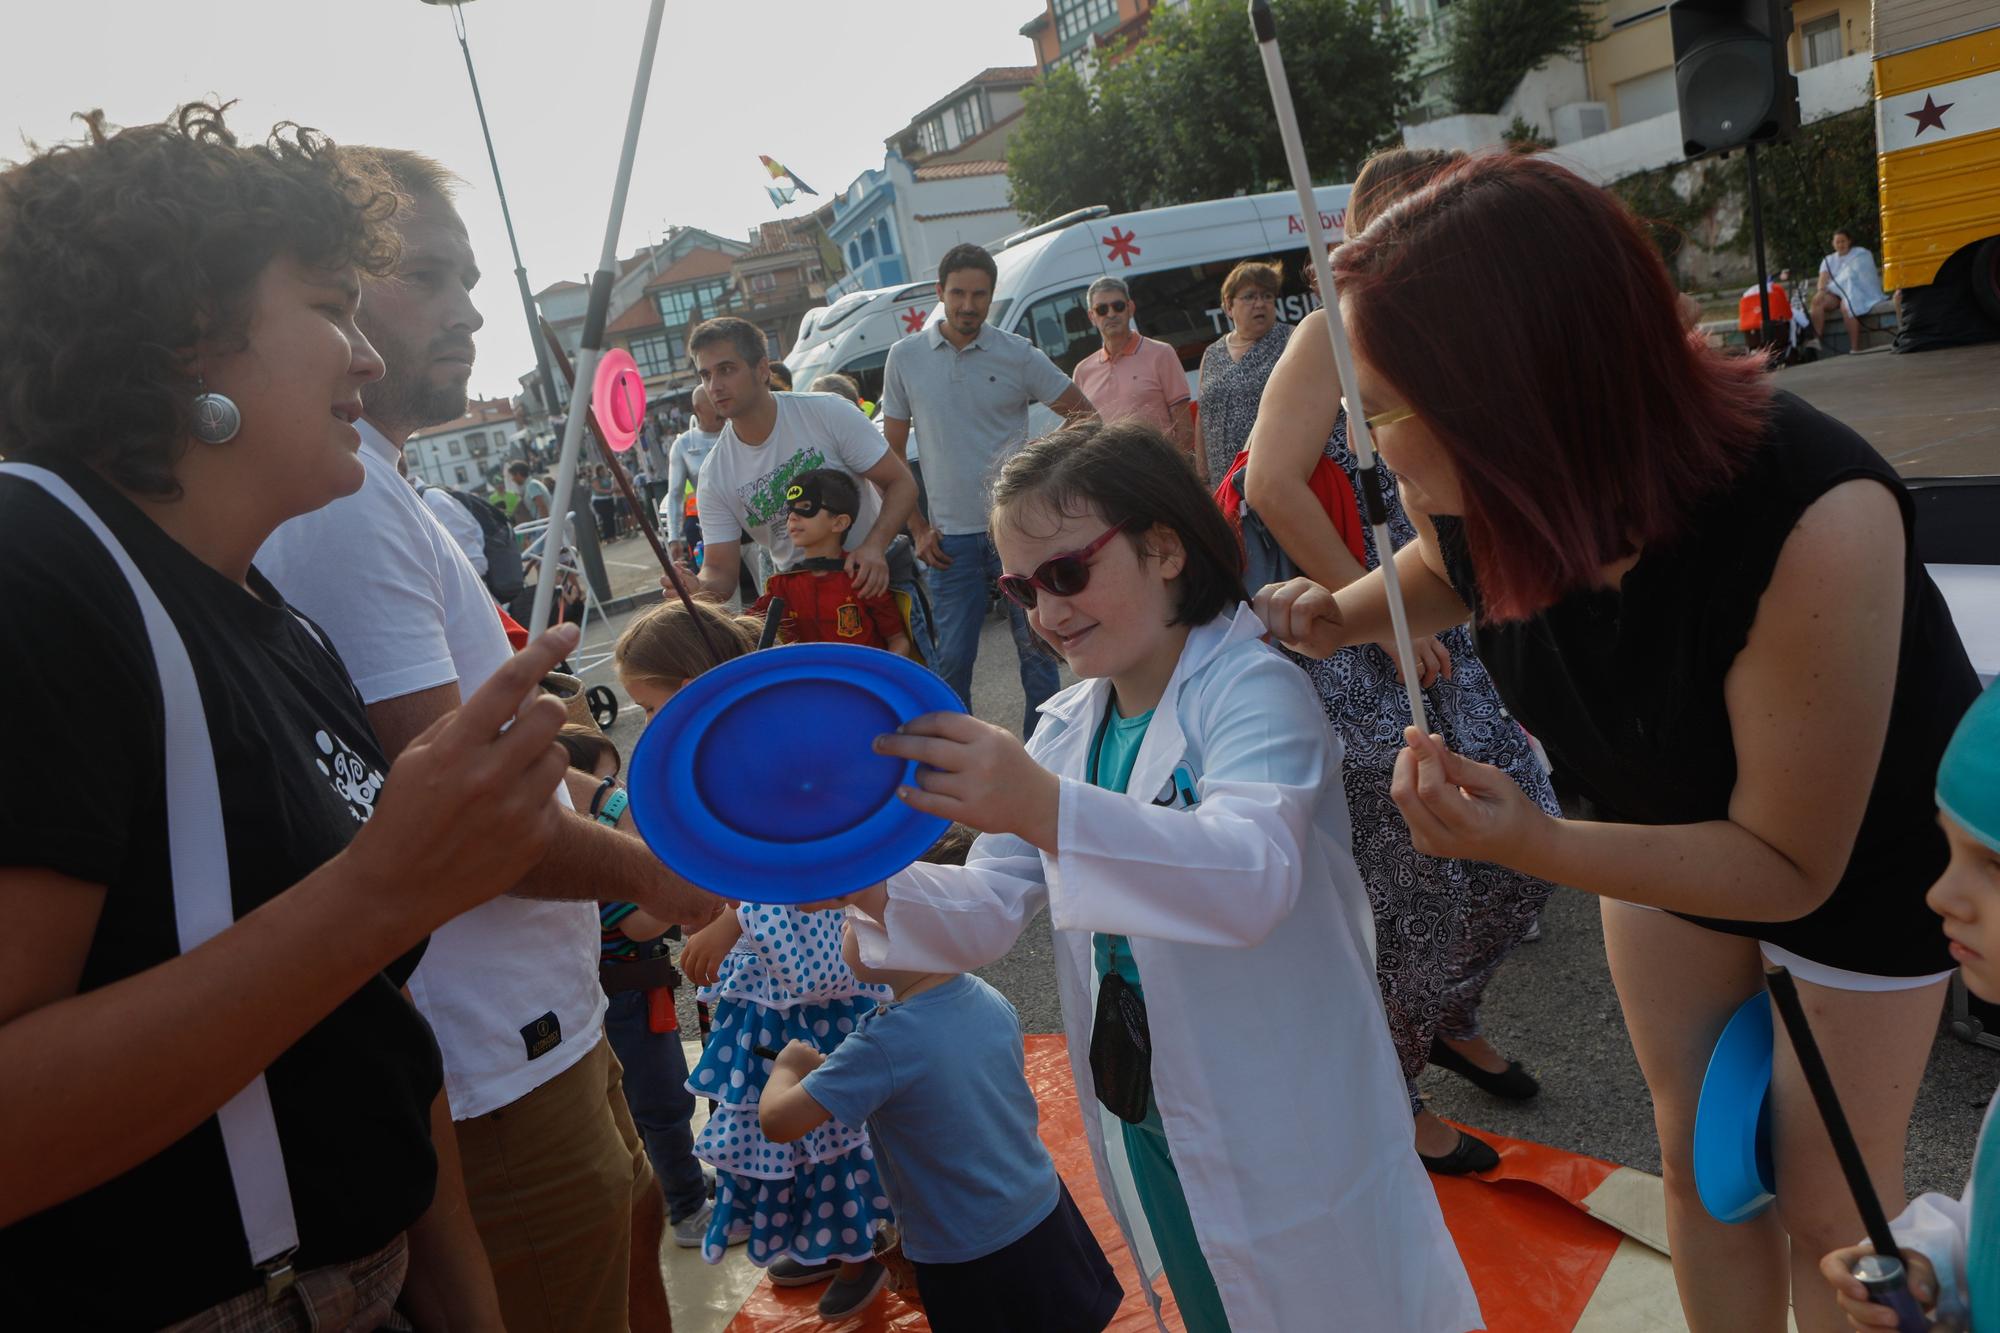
<point>1133,377</point>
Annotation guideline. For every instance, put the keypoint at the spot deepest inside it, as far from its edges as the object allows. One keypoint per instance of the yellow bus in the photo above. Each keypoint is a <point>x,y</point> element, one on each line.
<point>1937,134</point>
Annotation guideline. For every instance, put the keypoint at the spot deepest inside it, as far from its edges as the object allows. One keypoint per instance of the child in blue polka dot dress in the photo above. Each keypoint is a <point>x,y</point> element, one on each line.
<point>775,975</point>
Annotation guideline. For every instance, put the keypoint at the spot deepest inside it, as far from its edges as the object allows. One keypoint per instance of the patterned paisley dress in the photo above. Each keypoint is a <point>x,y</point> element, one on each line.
<point>1442,927</point>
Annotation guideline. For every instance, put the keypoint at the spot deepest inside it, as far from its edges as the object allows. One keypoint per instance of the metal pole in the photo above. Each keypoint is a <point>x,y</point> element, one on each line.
<point>592,344</point>
<point>592,559</point>
<point>1757,241</point>
<point>1370,489</point>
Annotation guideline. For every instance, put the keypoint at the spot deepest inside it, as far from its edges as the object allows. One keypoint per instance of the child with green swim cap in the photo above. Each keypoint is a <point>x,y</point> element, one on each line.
<point>1952,1246</point>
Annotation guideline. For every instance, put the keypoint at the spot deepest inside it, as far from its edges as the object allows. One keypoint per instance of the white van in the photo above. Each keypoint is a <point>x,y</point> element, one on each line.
<point>1174,261</point>
<point>852,335</point>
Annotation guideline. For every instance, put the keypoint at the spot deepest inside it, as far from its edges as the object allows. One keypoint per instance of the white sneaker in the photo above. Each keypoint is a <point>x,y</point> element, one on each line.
<point>691,1230</point>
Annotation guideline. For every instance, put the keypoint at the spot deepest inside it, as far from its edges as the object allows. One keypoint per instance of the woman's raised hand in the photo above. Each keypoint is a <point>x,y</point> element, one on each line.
<point>1301,615</point>
<point>469,805</point>
<point>1457,807</point>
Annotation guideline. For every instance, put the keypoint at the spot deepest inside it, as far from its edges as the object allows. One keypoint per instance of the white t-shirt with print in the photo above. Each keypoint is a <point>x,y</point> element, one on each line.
<point>741,493</point>
<point>406,612</point>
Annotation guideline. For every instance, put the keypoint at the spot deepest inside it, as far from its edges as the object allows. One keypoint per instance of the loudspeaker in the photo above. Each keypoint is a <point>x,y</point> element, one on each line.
<point>1732,74</point>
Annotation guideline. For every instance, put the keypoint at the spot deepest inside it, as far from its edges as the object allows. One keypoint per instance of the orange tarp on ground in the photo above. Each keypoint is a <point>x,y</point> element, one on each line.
<point>1534,1255</point>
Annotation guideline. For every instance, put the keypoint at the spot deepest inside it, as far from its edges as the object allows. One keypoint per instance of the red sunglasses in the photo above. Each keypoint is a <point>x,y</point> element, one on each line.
<point>1063,575</point>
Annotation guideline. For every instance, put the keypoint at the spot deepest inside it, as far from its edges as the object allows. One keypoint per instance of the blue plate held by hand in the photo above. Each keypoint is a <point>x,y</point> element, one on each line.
<point>1732,1121</point>
<point>759,780</point>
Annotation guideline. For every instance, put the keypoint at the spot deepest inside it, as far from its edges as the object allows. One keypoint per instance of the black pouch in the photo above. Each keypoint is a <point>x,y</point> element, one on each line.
<point>1121,1050</point>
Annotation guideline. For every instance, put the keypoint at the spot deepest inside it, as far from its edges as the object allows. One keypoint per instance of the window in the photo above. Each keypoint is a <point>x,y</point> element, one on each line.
<point>970,117</point>
<point>455,450</point>
<point>680,304</point>
<point>882,235</point>
<point>1645,97</point>
<point>774,341</point>
<point>460,474</point>
<point>1076,17</point>
<point>1819,41</point>
<point>854,254</point>
<point>654,354</point>
<point>763,282</point>
<point>930,134</point>
<point>475,444</point>
<point>1060,326</point>
<point>867,245</point>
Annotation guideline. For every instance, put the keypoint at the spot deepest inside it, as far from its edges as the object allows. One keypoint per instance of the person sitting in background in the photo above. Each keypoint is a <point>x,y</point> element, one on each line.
<point>845,387</point>
<point>821,604</point>
<point>1848,284</point>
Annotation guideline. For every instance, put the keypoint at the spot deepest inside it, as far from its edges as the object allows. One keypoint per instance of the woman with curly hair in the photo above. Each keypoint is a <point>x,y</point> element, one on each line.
<point>207,921</point>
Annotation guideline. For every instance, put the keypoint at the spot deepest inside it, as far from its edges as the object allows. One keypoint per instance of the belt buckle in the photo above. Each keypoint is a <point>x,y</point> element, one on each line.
<point>278,1274</point>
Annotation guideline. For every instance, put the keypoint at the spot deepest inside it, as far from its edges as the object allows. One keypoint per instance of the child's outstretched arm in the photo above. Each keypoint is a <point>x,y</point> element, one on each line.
<point>785,1109</point>
<point>1225,872</point>
<point>702,955</point>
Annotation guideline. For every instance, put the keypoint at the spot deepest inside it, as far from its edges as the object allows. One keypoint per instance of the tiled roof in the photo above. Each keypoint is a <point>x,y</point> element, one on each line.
<point>701,263</point>
<point>943,171</point>
<point>1007,74</point>
<point>480,412</point>
<point>641,314</point>
<point>958,213</point>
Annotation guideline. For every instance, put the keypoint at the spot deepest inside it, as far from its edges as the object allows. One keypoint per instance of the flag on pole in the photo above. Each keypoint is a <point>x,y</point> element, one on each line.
<point>779,171</point>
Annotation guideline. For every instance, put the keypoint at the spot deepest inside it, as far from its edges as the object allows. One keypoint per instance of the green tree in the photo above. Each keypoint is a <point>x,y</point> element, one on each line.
<point>1494,44</point>
<point>1187,115</point>
<point>1065,154</point>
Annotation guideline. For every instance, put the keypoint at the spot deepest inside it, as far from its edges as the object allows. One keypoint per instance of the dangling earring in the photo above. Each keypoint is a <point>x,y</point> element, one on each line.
<point>216,417</point>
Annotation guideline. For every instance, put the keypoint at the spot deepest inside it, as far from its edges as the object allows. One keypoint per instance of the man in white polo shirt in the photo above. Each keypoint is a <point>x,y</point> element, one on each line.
<point>555,1173</point>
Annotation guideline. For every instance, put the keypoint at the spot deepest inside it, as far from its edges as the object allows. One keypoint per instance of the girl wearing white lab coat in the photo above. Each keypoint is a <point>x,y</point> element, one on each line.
<point>1274,1171</point>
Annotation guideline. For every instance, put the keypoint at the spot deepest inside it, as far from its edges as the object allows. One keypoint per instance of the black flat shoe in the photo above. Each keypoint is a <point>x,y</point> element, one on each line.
<point>1513,1083</point>
<point>1470,1156</point>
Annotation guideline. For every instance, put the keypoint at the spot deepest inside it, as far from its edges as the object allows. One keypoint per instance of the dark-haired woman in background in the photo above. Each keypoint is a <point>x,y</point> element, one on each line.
<point>1443,925</point>
<point>1699,595</point>
<point>205,1117</point>
<point>1235,366</point>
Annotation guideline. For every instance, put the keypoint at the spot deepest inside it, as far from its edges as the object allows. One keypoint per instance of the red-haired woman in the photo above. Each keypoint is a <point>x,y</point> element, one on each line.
<point>1699,595</point>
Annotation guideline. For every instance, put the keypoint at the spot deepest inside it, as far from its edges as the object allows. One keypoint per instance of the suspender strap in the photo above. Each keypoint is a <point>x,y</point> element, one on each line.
<point>198,854</point>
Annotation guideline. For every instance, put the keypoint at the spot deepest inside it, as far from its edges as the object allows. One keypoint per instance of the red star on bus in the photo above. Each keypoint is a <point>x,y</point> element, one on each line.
<point>1932,116</point>
<point>913,318</point>
<point>1121,245</point>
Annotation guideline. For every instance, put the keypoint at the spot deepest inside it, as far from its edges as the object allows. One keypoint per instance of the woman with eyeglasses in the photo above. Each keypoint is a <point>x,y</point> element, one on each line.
<point>1442,926</point>
<point>1235,366</point>
<point>1699,594</point>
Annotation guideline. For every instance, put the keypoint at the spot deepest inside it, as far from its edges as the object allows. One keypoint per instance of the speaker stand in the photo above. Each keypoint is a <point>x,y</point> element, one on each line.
<point>1771,344</point>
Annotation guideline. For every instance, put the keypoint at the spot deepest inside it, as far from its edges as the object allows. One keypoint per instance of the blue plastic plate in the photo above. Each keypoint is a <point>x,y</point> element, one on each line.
<point>1732,1124</point>
<point>759,779</point>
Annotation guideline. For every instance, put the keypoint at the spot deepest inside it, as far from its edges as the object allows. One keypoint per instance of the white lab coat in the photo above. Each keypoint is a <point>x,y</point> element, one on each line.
<point>1940,1228</point>
<point>1276,1081</point>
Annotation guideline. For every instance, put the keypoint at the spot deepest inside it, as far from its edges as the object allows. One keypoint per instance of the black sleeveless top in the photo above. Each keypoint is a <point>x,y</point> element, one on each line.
<point>1624,688</point>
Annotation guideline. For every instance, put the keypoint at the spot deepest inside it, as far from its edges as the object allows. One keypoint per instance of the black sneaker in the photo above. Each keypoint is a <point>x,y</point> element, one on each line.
<point>851,1295</point>
<point>789,1272</point>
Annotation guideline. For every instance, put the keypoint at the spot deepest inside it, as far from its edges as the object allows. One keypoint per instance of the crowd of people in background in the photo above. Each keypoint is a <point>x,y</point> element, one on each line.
<point>357,902</point>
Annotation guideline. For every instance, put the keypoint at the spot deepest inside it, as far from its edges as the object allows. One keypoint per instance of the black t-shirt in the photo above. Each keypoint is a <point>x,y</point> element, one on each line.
<point>83,793</point>
<point>1624,687</point>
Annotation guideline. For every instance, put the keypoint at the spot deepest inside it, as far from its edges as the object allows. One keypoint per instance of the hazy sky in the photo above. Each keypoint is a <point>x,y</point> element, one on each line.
<point>817,86</point>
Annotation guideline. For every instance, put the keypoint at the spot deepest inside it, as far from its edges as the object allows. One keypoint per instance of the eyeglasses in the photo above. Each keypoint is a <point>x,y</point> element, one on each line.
<point>1063,575</point>
<point>1255,296</point>
<point>1380,419</point>
<point>1110,308</point>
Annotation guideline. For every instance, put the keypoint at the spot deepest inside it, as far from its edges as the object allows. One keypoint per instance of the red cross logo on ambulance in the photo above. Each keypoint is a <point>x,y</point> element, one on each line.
<point>913,318</point>
<point>1122,247</point>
